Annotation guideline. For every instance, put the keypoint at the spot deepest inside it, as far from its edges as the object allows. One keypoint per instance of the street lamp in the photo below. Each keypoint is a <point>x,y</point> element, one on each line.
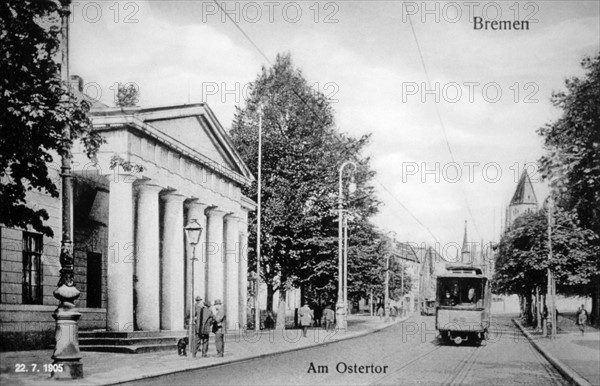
<point>193,230</point>
<point>66,348</point>
<point>387,279</point>
<point>340,307</point>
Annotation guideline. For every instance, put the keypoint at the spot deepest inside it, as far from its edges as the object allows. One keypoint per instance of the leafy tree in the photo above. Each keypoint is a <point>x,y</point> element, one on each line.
<point>572,159</point>
<point>302,152</point>
<point>523,257</point>
<point>35,106</point>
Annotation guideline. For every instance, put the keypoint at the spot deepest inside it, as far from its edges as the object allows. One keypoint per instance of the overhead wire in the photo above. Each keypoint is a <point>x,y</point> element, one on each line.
<point>317,115</point>
<point>439,116</point>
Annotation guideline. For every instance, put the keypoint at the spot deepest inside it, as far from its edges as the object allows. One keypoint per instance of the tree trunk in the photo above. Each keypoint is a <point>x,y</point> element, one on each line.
<point>538,310</point>
<point>270,292</point>
<point>280,325</point>
<point>528,314</point>
<point>595,312</point>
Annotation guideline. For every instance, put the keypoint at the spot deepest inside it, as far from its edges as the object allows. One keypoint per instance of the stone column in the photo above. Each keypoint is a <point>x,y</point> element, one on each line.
<point>214,254</point>
<point>172,264</point>
<point>119,272</point>
<point>147,258</point>
<point>231,254</point>
<point>196,211</point>
<point>243,274</point>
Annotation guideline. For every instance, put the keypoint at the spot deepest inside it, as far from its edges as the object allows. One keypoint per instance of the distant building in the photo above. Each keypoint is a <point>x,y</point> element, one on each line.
<point>430,260</point>
<point>523,200</point>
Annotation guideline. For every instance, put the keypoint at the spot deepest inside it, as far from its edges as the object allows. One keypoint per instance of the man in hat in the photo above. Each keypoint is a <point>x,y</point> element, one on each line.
<point>203,326</point>
<point>219,326</point>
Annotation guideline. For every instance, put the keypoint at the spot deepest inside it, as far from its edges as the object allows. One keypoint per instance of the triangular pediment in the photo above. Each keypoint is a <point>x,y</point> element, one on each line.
<point>191,132</point>
<point>190,129</point>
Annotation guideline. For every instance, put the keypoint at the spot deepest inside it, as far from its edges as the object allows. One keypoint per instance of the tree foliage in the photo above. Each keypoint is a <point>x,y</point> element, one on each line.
<point>301,154</point>
<point>572,159</point>
<point>523,257</point>
<point>35,106</point>
<point>572,142</point>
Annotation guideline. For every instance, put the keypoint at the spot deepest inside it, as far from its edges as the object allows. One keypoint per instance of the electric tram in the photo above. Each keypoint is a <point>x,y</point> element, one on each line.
<point>463,302</point>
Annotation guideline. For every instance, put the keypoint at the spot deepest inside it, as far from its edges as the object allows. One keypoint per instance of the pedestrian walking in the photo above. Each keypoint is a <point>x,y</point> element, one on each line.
<point>582,319</point>
<point>306,318</point>
<point>269,321</point>
<point>318,315</point>
<point>218,315</point>
<point>328,317</point>
<point>393,313</point>
<point>204,320</point>
<point>380,312</point>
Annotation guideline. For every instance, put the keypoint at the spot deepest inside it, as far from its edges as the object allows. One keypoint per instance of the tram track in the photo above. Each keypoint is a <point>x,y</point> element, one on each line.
<point>464,368</point>
<point>399,369</point>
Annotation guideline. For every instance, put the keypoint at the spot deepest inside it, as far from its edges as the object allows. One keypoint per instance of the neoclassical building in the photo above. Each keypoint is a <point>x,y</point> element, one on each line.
<point>159,169</point>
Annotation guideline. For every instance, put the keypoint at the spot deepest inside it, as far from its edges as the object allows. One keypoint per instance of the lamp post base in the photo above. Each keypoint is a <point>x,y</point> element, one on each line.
<point>340,316</point>
<point>66,352</point>
<point>70,370</point>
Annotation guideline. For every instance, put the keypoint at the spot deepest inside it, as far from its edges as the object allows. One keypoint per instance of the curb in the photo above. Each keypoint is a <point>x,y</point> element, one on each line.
<point>248,358</point>
<point>562,368</point>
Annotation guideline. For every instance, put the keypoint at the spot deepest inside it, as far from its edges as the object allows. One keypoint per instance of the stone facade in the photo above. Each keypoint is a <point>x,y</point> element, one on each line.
<point>132,262</point>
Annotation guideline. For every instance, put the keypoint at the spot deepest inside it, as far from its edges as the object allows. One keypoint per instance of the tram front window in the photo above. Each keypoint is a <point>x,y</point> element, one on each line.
<point>464,293</point>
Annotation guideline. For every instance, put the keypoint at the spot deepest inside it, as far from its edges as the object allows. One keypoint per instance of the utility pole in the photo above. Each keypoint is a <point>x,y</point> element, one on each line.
<point>66,351</point>
<point>551,285</point>
<point>346,264</point>
<point>387,278</point>
<point>258,213</point>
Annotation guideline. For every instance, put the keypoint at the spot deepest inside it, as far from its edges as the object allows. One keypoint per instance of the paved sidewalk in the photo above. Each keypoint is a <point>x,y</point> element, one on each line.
<point>576,356</point>
<point>110,368</point>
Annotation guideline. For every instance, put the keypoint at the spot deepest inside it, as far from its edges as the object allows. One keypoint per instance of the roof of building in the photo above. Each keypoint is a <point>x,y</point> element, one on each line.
<point>191,129</point>
<point>524,194</point>
<point>404,251</point>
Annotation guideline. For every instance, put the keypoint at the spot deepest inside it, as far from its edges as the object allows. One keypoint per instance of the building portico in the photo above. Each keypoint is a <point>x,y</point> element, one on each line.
<point>164,167</point>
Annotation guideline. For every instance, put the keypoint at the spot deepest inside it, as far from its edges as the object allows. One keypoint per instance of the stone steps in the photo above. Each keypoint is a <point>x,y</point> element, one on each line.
<point>136,342</point>
<point>129,342</point>
<point>130,349</point>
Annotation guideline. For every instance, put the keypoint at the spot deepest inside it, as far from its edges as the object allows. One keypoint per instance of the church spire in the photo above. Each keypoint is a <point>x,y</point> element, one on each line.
<point>523,200</point>
<point>524,193</point>
<point>465,253</point>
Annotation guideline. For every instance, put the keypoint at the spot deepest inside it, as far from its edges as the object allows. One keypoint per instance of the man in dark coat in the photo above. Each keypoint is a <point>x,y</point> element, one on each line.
<point>219,327</point>
<point>203,325</point>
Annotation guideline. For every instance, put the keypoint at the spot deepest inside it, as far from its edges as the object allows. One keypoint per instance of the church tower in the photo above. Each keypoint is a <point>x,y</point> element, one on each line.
<point>523,201</point>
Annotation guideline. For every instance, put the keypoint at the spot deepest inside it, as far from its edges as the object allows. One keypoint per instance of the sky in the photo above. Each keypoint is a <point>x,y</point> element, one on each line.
<point>453,109</point>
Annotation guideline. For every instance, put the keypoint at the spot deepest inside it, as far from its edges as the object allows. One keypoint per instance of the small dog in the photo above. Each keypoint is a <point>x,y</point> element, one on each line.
<point>181,346</point>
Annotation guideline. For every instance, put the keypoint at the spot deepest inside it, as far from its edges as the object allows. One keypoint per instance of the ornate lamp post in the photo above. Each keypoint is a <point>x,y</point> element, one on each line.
<point>341,308</point>
<point>193,230</point>
<point>66,351</point>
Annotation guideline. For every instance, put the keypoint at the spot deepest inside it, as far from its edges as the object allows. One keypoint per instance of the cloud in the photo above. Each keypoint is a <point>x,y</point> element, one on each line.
<point>168,61</point>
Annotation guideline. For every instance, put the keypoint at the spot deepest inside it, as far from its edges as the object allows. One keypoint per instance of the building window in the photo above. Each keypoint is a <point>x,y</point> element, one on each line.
<point>94,280</point>
<point>32,268</point>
